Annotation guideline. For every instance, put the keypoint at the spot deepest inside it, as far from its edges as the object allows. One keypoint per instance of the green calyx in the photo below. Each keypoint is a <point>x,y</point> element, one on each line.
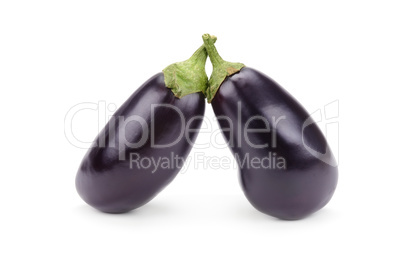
<point>188,76</point>
<point>221,68</point>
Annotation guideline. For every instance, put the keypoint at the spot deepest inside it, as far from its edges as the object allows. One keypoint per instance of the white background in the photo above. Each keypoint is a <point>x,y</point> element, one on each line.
<point>56,54</point>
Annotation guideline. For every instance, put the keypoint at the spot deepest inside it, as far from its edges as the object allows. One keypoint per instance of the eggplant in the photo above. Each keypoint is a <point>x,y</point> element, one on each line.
<point>286,167</point>
<point>143,146</point>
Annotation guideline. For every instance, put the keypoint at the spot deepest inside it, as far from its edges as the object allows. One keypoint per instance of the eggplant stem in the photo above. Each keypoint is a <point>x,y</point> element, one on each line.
<point>188,76</point>
<point>221,68</point>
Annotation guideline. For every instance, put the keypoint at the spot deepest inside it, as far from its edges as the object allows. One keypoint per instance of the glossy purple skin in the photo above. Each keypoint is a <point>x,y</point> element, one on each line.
<point>307,183</point>
<point>108,183</point>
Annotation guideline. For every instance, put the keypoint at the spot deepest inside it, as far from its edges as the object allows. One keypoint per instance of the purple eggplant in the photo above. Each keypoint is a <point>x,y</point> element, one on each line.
<point>145,143</point>
<point>287,169</point>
